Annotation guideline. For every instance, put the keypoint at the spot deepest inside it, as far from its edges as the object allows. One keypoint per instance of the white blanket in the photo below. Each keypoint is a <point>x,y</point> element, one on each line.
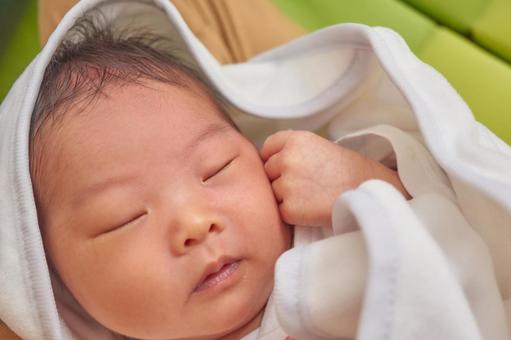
<point>437,266</point>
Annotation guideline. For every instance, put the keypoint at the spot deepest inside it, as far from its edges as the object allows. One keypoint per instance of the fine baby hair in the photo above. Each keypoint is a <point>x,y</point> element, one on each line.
<point>99,56</point>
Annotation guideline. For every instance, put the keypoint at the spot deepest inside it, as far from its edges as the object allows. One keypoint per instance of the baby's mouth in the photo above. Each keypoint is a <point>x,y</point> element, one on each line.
<point>217,272</point>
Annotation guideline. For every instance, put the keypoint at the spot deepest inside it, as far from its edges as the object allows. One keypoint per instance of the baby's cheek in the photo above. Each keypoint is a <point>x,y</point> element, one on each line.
<point>273,232</point>
<point>282,233</point>
<point>256,171</point>
<point>126,286</point>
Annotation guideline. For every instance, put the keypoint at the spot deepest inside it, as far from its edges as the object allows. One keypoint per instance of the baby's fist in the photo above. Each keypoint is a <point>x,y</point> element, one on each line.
<point>307,173</point>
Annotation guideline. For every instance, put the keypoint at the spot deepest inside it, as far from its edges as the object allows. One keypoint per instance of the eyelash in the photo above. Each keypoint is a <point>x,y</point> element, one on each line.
<point>218,171</point>
<point>121,225</point>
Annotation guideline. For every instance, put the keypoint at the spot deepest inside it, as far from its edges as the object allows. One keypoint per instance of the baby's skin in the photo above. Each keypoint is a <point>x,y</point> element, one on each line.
<point>165,222</point>
<point>309,172</point>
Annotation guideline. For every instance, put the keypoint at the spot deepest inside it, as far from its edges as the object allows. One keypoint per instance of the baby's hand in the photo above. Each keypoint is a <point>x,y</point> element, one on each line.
<point>308,172</point>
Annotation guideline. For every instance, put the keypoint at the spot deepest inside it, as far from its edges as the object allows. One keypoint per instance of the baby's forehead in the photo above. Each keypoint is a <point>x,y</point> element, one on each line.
<point>123,113</point>
<point>144,100</point>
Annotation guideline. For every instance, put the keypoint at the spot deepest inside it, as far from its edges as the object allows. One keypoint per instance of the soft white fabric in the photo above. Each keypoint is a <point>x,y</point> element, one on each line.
<point>429,275</point>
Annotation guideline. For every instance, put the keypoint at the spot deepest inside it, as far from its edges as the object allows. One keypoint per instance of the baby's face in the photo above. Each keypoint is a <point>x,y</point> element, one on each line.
<point>143,195</point>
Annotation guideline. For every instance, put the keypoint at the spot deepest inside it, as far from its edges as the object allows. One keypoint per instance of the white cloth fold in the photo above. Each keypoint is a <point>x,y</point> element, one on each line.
<point>429,261</point>
<point>428,273</point>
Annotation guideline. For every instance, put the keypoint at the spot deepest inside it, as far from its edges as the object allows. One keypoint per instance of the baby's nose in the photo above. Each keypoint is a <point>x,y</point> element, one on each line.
<point>193,228</point>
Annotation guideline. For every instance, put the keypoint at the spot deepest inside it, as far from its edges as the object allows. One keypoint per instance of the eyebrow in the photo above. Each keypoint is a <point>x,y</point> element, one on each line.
<point>207,133</point>
<point>113,181</point>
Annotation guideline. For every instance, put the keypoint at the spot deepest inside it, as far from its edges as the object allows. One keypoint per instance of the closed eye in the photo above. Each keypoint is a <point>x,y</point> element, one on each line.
<point>128,221</point>
<point>216,172</point>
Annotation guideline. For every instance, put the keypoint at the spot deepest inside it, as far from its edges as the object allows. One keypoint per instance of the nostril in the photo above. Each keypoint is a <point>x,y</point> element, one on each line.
<point>200,236</point>
<point>213,227</point>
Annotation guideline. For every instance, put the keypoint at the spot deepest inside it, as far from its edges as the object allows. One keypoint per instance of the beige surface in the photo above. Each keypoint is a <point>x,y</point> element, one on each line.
<point>6,333</point>
<point>233,30</point>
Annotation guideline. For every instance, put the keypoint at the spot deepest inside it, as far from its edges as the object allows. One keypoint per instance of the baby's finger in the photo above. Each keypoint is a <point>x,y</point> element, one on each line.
<point>278,189</point>
<point>273,167</point>
<point>274,143</point>
<point>288,212</point>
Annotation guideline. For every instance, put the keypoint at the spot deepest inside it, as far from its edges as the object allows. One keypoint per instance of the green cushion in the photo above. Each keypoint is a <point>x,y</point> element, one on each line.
<point>20,49</point>
<point>482,79</point>
<point>493,28</point>
<point>412,25</point>
<point>487,22</point>
<point>10,12</point>
<point>459,15</point>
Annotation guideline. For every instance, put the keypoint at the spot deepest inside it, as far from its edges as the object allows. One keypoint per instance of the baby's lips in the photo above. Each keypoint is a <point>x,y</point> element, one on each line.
<point>215,266</point>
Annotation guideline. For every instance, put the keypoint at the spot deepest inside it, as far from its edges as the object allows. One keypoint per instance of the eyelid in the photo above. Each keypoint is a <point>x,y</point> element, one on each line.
<point>219,170</point>
<point>135,218</point>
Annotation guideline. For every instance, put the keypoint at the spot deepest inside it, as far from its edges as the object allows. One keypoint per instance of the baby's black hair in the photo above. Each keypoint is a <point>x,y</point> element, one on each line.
<point>97,55</point>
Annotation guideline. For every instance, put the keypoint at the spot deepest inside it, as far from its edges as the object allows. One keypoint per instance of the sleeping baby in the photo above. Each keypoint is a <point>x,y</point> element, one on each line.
<point>159,218</point>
